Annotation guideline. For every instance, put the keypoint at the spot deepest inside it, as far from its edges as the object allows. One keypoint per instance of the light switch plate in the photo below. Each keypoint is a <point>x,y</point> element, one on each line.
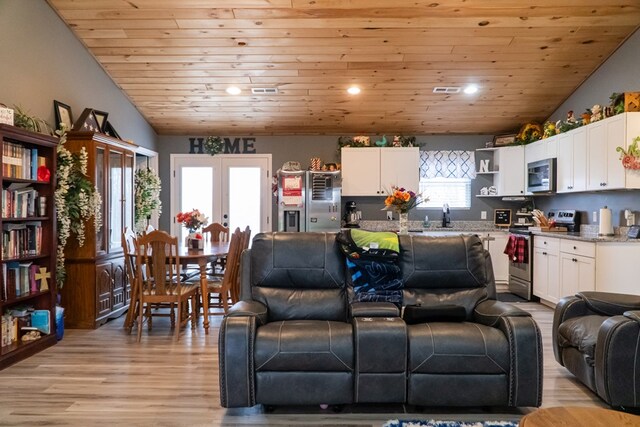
<point>390,215</point>
<point>483,214</point>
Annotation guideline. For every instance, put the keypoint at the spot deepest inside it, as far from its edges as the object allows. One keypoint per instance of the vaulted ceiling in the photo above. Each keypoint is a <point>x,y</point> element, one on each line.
<point>175,58</point>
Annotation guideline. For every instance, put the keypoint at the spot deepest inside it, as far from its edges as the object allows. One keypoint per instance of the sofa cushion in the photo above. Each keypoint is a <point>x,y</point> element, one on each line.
<point>445,270</point>
<point>457,348</point>
<point>581,333</point>
<point>299,275</point>
<point>304,345</point>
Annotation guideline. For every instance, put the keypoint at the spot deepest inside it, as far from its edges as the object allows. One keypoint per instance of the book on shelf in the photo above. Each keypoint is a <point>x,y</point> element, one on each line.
<point>19,201</point>
<point>21,239</point>
<point>19,161</point>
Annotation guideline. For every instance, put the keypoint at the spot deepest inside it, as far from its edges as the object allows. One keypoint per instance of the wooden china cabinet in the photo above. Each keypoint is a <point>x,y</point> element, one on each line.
<point>96,287</point>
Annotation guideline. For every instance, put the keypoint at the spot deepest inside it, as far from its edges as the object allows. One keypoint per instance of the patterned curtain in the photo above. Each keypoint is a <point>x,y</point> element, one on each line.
<point>447,164</point>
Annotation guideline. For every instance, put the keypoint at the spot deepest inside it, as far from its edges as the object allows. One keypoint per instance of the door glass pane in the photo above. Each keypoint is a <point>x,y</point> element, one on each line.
<point>128,192</point>
<point>100,241</point>
<point>196,192</point>
<point>115,201</point>
<point>244,198</point>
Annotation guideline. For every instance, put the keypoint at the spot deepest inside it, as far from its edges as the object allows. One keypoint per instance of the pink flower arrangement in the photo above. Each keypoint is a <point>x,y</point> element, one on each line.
<point>192,220</point>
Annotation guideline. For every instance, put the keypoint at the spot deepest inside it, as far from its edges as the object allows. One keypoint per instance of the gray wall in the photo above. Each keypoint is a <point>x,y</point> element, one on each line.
<point>618,74</point>
<point>41,60</point>
<point>302,148</point>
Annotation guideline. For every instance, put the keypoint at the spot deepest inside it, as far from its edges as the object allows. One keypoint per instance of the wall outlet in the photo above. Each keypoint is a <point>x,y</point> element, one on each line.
<point>483,215</point>
<point>594,217</point>
<point>390,215</point>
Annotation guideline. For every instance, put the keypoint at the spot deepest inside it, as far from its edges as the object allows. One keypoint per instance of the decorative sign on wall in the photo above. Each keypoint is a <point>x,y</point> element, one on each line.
<point>242,145</point>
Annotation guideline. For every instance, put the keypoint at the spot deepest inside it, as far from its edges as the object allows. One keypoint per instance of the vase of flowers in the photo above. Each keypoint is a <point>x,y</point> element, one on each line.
<point>193,221</point>
<point>402,201</point>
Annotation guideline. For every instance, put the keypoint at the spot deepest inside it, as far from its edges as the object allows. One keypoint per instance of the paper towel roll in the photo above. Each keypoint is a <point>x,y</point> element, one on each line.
<point>606,226</point>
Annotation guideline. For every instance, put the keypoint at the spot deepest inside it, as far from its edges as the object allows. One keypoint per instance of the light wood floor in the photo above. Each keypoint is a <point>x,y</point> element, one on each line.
<point>104,377</point>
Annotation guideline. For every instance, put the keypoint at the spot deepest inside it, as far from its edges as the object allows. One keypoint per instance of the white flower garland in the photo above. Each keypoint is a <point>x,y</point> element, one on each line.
<point>76,200</point>
<point>147,195</point>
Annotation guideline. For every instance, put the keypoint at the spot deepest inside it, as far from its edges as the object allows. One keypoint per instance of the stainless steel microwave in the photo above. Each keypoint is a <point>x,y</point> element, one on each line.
<point>541,176</point>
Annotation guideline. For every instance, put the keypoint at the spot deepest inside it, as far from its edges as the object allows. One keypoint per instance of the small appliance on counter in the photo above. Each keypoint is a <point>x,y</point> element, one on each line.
<point>351,218</point>
<point>568,218</point>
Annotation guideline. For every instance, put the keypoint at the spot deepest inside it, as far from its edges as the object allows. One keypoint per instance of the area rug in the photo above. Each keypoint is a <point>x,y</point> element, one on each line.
<point>434,423</point>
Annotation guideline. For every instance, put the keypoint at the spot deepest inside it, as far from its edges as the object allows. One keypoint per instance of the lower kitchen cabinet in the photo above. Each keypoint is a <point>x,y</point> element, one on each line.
<point>577,267</point>
<point>617,267</point>
<point>495,244</point>
<point>546,268</point>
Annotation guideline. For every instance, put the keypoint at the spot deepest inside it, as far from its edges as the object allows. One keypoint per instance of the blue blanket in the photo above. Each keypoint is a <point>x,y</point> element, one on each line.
<point>372,265</point>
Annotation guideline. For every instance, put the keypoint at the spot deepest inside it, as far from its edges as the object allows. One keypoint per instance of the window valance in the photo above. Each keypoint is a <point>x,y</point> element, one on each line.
<point>447,164</point>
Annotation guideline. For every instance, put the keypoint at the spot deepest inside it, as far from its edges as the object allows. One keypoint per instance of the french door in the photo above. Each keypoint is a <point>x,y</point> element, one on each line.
<point>232,189</point>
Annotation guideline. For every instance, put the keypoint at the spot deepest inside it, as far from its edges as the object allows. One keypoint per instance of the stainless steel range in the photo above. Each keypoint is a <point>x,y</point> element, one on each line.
<point>521,273</point>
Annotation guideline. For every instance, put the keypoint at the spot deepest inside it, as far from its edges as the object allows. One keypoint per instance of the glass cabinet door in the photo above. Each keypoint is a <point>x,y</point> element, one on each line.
<point>116,223</point>
<point>128,190</point>
<point>100,185</point>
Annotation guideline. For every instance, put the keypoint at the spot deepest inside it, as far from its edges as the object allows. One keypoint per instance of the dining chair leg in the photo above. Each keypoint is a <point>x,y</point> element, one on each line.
<point>140,316</point>
<point>176,332</point>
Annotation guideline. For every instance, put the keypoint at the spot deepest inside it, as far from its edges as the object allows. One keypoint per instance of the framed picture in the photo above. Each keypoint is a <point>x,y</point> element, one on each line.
<point>87,122</point>
<point>63,115</point>
<point>502,140</point>
<point>101,118</point>
<point>110,131</point>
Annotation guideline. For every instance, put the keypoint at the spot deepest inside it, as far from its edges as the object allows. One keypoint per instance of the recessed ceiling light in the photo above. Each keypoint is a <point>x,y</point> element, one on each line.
<point>233,90</point>
<point>353,90</point>
<point>471,89</point>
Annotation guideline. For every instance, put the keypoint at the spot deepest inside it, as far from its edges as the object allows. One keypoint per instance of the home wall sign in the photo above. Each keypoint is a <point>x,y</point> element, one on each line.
<point>242,145</point>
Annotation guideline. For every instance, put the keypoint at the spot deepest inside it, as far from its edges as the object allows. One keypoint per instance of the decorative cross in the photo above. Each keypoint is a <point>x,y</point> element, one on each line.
<point>43,276</point>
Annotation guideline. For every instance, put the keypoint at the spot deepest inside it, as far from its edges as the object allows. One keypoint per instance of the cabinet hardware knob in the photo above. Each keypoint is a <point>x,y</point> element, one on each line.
<point>544,253</point>
<point>575,247</point>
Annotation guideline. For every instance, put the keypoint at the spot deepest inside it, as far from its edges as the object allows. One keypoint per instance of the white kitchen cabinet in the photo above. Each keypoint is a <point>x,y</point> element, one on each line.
<point>577,267</point>
<point>507,170</point>
<point>495,242</point>
<point>546,268</point>
<point>571,168</point>
<point>605,171</point>
<point>541,150</point>
<point>617,267</point>
<point>372,171</point>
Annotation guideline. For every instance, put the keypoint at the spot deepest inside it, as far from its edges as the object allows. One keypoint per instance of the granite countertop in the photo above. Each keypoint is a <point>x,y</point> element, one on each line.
<point>433,226</point>
<point>589,233</point>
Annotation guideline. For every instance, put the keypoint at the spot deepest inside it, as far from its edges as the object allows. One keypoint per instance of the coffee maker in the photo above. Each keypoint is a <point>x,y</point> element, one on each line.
<point>351,218</point>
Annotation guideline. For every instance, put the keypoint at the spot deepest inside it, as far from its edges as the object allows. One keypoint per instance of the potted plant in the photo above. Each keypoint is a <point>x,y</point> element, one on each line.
<point>147,196</point>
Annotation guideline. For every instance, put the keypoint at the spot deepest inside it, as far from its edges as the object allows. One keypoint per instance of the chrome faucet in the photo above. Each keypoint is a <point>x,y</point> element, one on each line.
<point>446,219</point>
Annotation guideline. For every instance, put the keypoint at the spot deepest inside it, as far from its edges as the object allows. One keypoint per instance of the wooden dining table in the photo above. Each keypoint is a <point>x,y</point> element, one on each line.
<point>189,256</point>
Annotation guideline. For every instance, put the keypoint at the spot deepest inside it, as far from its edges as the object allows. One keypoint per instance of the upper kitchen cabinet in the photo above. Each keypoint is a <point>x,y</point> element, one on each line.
<point>541,150</point>
<point>605,170</point>
<point>371,171</point>
<point>507,169</point>
<point>572,161</point>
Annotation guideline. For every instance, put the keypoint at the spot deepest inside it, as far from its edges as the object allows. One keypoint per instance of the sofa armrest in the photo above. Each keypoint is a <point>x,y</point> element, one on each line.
<point>610,304</point>
<point>236,351</point>
<point>249,308</point>
<point>525,348</point>
<point>373,309</point>
<point>616,360</point>
<point>489,312</point>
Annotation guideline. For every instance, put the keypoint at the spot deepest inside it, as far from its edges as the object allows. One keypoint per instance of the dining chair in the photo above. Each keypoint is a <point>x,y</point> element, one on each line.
<point>129,247</point>
<point>220,286</point>
<point>216,232</point>
<point>159,281</point>
<point>235,285</point>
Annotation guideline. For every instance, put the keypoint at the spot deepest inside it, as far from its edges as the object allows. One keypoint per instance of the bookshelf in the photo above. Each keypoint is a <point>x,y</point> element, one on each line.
<point>28,223</point>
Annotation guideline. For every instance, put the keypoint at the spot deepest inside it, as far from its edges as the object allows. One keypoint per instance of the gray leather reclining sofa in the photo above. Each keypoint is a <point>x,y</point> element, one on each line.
<point>295,338</point>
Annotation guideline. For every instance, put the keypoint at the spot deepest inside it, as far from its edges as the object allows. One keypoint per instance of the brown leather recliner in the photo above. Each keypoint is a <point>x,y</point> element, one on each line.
<point>297,338</point>
<point>596,336</point>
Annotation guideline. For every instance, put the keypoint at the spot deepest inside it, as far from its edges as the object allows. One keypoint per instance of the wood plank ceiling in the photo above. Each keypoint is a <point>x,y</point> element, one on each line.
<point>175,58</point>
